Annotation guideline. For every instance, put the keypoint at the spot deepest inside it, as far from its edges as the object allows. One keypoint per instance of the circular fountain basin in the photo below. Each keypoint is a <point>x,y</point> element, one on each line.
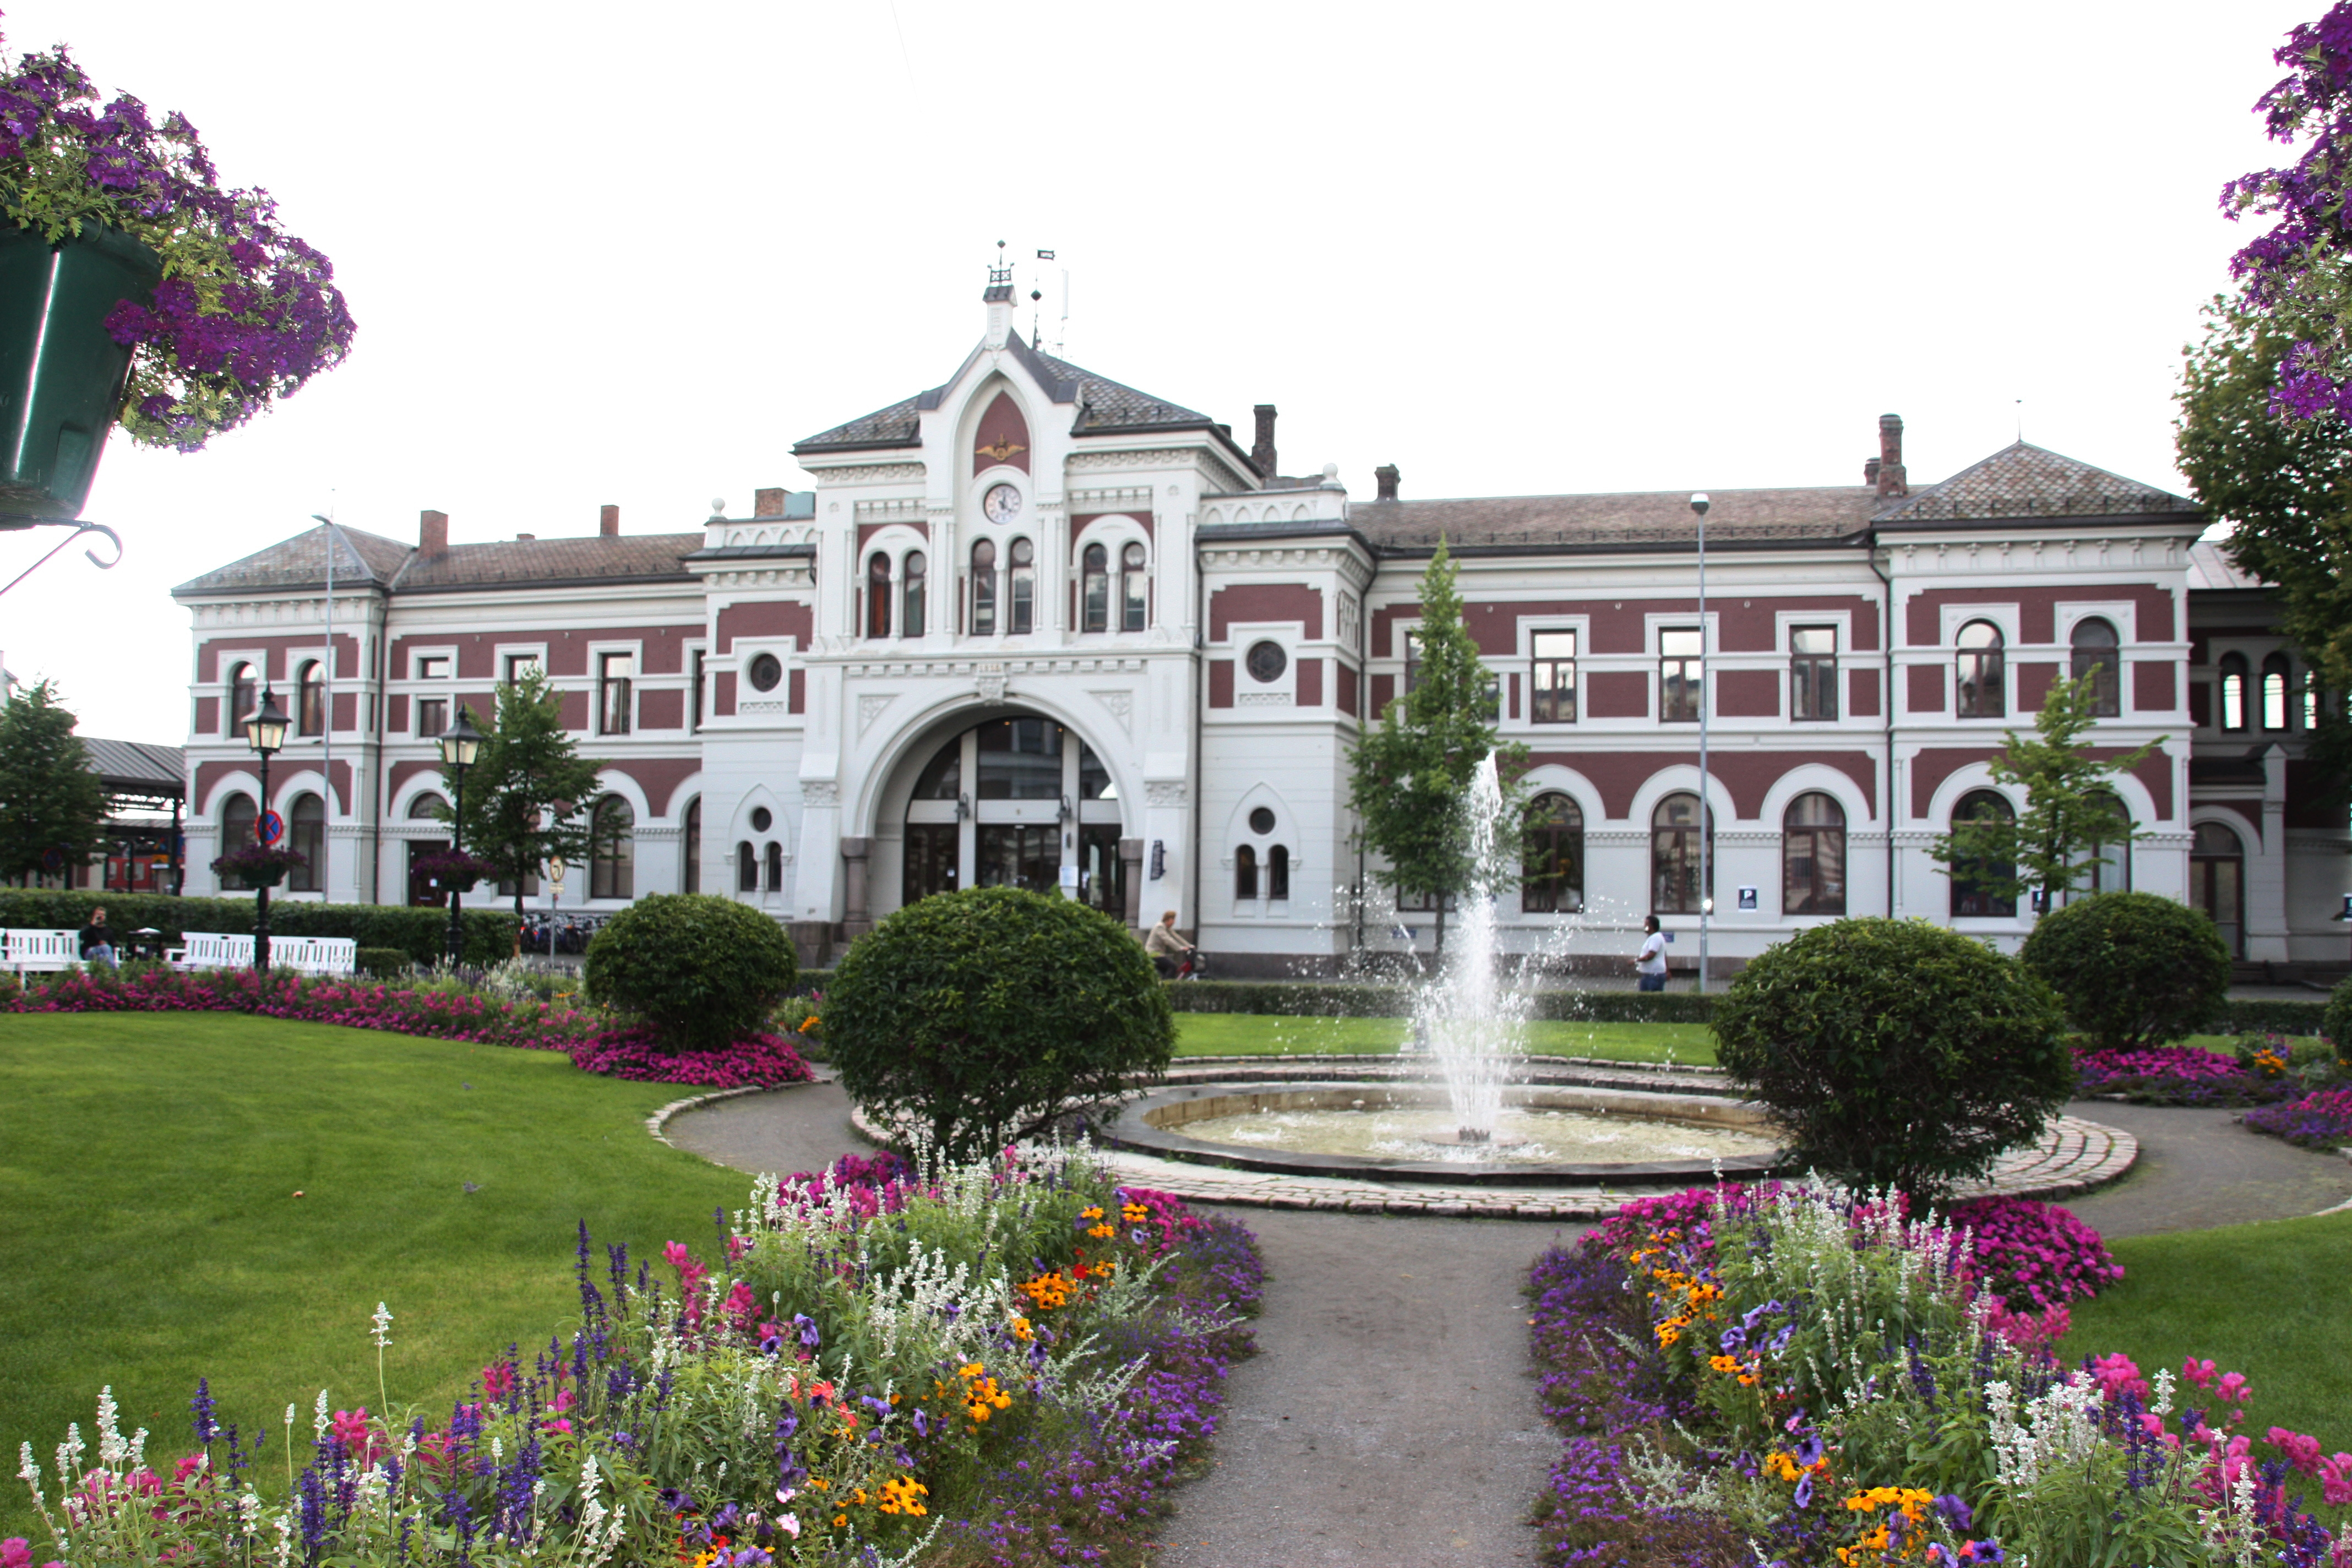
<point>1561,1136</point>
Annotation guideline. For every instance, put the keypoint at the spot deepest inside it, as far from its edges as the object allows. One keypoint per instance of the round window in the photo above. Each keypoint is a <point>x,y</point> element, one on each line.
<point>760,818</point>
<point>1261,820</point>
<point>1267,661</point>
<point>766,670</point>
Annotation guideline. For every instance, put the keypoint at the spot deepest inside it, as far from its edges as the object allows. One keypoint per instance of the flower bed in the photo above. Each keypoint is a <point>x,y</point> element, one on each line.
<point>1793,1377</point>
<point>2320,1121</point>
<point>594,1042</point>
<point>2178,1074</point>
<point>1007,1365</point>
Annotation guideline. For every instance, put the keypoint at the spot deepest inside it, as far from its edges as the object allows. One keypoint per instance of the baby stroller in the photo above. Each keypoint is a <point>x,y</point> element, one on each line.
<point>1194,964</point>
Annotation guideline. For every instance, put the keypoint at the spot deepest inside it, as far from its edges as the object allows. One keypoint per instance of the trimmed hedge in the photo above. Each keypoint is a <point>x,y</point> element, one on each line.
<point>1313,999</point>
<point>2261,1017</point>
<point>422,934</point>
<point>702,970</point>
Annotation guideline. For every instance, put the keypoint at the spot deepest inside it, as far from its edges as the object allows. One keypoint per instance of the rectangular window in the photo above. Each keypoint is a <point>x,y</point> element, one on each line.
<point>1682,690</point>
<point>1553,684</point>
<point>1490,694</point>
<point>432,717</point>
<point>1812,672</point>
<point>612,707</point>
<point>1411,663</point>
<point>697,711</point>
<point>433,667</point>
<point>519,665</point>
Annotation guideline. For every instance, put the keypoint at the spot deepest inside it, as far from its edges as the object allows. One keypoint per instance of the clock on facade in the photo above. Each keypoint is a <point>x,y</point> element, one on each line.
<point>1002,504</point>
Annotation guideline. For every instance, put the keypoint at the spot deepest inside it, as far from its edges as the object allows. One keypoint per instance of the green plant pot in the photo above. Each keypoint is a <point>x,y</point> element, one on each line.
<point>261,878</point>
<point>61,374</point>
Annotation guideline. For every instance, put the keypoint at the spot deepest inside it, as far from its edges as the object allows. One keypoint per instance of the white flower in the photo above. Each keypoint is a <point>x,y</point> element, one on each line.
<point>383,1321</point>
<point>319,1419</point>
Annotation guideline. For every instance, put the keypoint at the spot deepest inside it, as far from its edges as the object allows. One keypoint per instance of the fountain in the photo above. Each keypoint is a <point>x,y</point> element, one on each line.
<point>1461,1104</point>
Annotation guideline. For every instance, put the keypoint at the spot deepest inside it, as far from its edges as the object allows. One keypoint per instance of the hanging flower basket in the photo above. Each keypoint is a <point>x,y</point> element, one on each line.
<point>257,866</point>
<point>134,290</point>
<point>448,870</point>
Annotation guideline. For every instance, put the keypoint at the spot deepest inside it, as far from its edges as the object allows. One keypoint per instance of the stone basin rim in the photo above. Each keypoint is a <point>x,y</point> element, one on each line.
<point>1135,1128</point>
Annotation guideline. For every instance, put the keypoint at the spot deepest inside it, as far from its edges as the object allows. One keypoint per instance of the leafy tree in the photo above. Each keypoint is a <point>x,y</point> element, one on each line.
<point>1895,1052</point>
<point>2069,808</point>
<point>988,1014</point>
<point>1410,776</point>
<point>528,789</point>
<point>50,800</point>
<point>2283,484</point>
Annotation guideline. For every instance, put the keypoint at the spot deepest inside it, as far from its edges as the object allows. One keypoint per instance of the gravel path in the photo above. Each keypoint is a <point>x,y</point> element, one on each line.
<point>1390,1419</point>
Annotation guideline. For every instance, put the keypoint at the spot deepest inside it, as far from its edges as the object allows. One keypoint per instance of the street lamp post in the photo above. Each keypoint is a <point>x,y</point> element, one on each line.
<point>265,731</point>
<point>460,744</point>
<point>1698,504</point>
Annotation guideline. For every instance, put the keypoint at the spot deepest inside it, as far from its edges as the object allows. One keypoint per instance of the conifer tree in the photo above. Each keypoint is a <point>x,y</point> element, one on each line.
<point>50,802</point>
<point>528,792</point>
<point>1410,775</point>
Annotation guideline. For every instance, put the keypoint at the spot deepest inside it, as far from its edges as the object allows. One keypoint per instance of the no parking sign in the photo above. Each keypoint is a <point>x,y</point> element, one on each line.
<point>268,827</point>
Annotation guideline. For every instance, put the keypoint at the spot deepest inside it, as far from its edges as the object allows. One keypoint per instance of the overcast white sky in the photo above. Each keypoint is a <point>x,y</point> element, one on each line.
<point>631,254</point>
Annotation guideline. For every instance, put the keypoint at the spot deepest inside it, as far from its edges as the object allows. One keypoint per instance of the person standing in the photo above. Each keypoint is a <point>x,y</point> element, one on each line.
<point>1651,966</point>
<point>98,941</point>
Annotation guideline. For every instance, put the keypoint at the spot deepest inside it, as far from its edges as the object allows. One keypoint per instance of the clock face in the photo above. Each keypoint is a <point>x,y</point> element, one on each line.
<point>1002,504</point>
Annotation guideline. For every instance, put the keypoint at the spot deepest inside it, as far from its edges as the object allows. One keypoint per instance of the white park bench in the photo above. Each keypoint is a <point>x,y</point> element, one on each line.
<point>304,954</point>
<point>39,952</point>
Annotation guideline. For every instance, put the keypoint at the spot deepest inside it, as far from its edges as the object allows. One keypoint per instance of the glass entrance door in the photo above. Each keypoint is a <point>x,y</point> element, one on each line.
<point>1015,803</point>
<point>2217,869</point>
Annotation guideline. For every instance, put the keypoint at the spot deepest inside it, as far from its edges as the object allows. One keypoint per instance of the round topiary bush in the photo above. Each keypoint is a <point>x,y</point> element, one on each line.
<point>704,971</point>
<point>1895,1053</point>
<point>2133,970</point>
<point>985,1013</point>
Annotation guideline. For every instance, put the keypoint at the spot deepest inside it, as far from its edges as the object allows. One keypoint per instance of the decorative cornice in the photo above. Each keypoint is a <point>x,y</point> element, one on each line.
<point>864,473</point>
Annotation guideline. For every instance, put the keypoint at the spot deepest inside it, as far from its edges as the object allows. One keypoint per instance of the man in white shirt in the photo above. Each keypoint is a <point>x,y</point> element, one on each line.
<point>1651,966</point>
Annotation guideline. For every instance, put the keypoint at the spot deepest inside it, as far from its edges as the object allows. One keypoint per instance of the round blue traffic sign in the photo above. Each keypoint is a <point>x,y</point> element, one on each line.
<point>269,827</point>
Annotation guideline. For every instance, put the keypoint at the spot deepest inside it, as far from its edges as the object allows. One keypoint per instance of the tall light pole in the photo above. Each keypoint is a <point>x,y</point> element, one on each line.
<point>1698,504</point>
<point>265,731</point>
<point>326,709</point>
<point>460,744</point>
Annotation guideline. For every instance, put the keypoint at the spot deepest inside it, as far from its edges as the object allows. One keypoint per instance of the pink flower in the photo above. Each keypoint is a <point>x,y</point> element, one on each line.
<point>2200,1372</point>
<point>2234,1387</point>
<point>15,1552</point>
<point>2118,1375</point>
<point>2335,1480</point>
<point>2302,1452</point>
<point>498,1379</point>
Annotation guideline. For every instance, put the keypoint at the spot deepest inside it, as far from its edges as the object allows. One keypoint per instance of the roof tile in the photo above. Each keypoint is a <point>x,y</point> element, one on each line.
<point>2024,480</point>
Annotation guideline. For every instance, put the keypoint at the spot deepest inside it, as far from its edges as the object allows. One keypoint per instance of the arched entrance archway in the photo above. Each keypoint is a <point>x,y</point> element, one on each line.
<point>1017,802</point>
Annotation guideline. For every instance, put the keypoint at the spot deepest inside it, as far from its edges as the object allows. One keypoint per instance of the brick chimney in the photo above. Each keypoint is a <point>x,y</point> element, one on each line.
<point>432,533</point>
<point>608,521</point>
<point>1886,473</point>
<point>1388,477</point>
<point>767,502</point>
<point>1262,451</point>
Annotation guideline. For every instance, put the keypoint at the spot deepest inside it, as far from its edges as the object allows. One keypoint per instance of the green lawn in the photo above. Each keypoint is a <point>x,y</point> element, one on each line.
<point>1248,1034</point>
<point>2265,1300</point>
<point>149,1165</point>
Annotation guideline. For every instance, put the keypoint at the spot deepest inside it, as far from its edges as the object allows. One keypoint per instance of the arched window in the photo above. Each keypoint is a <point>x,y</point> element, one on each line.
<point>1983,689</point>
<point>1024,586</point>
<point>236,832</point>
<point>2274,681</point>
<point>612,869</point>
<point>311,700</point>
<point>983,588</point>
<point>877,595</point>
<point>2106,848</point>
<point>775,867</point>
<point>1675,855</point>
<point>1277,872</point>
<point>1813,857</point>
<point>1131,581</point>
<point>1094,589</point>
<point>2234,691</point>
<point>1552,866</point>
<point>1246,872</point>
<point>912,584</point>
<point>242,701</point>
<point>2217,867</point>
<point>692,881</point>
<point>1978,879</point>
<point>424,807</point>
<point>308,831</point>
<point>427,807</point>
<point>2098,655</point>
<point>747,867</point>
